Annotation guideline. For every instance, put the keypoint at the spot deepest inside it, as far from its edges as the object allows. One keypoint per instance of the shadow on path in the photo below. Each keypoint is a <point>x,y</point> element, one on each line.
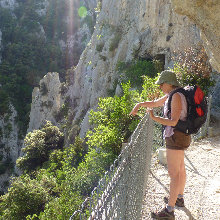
<point>192,168</point>
<point>188,213</point>
<point>158,180</point>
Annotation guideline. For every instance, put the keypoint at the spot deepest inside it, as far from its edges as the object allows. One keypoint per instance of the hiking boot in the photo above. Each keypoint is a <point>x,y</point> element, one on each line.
<point>163,215</point>
<point>179,202</point>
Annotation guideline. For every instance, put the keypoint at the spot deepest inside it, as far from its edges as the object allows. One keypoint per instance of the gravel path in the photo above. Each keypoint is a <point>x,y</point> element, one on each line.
<point>202,192</point>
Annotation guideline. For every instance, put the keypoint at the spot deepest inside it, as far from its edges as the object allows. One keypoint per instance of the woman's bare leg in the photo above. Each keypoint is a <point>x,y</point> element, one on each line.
<point>182,177</point>
<point>174,160</point>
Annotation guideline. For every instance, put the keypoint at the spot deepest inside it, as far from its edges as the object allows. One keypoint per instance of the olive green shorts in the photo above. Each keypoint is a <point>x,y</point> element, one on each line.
<point>178,141</point>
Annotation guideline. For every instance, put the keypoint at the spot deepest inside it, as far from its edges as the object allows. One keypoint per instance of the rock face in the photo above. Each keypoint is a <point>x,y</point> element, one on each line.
<point>205,13</point>
<point>215,111</point>
<point>0,45</point>
<point>127,29</point>
<point>11,4</point>
<point>10,146</point>
<point>46,101</point>
<point>9,134</point>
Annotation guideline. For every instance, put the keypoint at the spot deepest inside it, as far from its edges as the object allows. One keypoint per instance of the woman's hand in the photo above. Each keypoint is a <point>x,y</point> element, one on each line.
<point>151,112</point>
<point>135,110</point>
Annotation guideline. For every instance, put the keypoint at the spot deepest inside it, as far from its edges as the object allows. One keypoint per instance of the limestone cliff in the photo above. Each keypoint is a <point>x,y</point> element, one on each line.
<point>11,4</point>
<point>10,146</point>
<point>126,29</point>
<point>0,45</point>
<point>205,13</point>
<point>46,101</point>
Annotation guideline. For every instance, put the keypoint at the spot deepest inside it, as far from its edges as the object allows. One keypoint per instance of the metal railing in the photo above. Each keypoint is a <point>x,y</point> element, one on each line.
<point>119,194</point>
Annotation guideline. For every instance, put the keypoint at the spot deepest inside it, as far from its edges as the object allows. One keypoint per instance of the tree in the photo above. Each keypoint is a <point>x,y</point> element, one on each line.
<point>26,196</point>
<point>192,68</point>
<point>38,146</point>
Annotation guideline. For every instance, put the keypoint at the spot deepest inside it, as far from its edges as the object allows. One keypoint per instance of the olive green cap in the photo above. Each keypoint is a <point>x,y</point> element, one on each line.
<point>169,77</point>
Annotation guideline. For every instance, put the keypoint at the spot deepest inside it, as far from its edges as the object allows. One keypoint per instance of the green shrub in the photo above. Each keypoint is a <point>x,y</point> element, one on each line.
<point>75,153</point>
<point>69,175</point>
<point>43,89</point>
<point>6,165</point>
<point>63,207</point>
<point>4,102</point>
<point>192,68</point>
<point>63,112</point>
<point>99,47</point>
<point>115,41</point>
<point>112,122</point>
<point>68,158</point>
<point>150,91</point>
<point>26,196</point>
<point>38,146</point>
<point>58,197</point>
<point>134,71</point>
<point>89,172</point>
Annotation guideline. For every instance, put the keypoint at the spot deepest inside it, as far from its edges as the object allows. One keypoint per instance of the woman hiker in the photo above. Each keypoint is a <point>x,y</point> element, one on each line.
<point>176,141</point>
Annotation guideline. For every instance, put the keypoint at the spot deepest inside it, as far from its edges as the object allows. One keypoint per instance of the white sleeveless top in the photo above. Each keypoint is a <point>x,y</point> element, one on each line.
<point>168,131</point>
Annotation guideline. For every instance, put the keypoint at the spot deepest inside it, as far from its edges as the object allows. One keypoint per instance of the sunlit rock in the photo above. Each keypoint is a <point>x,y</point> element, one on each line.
<point>205,13</point>
<point>46,101</point>
<point>126,30</point>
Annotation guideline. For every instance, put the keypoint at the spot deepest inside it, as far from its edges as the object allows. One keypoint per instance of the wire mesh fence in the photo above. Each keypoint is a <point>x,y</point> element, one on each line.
<point>120,192</point>
<point>158,131</point>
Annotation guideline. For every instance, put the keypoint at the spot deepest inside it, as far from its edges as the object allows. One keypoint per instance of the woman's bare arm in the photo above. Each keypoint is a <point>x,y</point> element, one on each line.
<point>176,106</point>
<point>148,104</point>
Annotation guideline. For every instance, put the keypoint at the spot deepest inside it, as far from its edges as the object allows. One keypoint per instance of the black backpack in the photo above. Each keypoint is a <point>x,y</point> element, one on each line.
<point>197,108</point>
